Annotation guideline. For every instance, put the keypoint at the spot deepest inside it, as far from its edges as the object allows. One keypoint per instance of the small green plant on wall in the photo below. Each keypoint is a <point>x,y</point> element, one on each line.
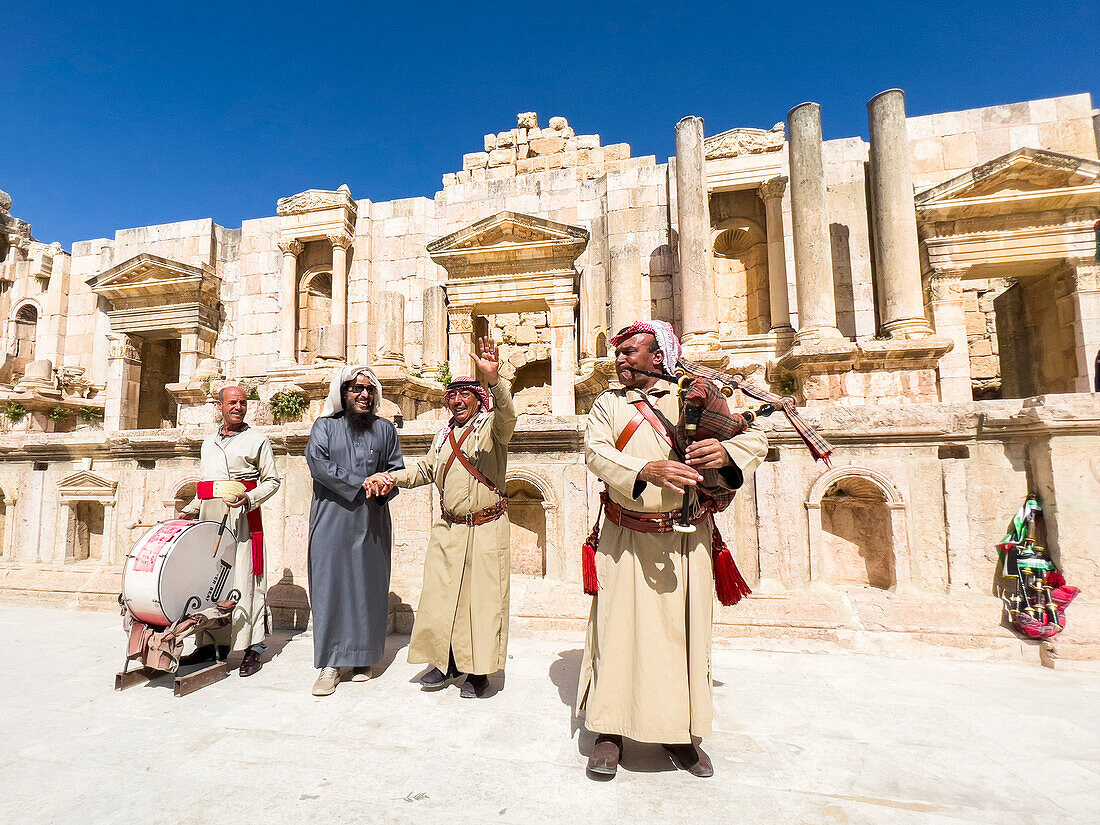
<point>91,414</point>
<point>57,414</point>
<point>785,384</point>
<point>445,373</point>
<point>287,406</point>
<point>14,411</point>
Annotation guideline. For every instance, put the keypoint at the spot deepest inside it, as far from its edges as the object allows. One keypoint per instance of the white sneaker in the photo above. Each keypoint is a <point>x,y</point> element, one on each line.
<point>326,681</point>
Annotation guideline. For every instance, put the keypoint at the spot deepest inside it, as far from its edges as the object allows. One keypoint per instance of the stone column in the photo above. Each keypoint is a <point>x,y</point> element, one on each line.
<point>288,293</point>
<point>123,384</point>
<point>946,299</point>
<point>563,357</point>
<point>1085,284</point>
<point>894,219</point>
<point>334,344</point>
<point>771,192</point>
<point>460,340</point>
<point>434,332</point>
<point>700,315</point>
<point>813,268</point>
<point>390,320</point>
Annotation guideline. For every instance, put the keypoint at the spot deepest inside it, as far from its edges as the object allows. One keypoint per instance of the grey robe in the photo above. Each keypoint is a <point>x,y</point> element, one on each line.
<point>350,539</point>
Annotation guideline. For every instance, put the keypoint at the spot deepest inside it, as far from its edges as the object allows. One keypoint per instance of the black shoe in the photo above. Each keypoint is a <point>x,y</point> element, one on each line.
<point>474,687</point>
<point>250,664</point>
<point>433,679</point>
<point>691,758</point>
<point>206,653</point>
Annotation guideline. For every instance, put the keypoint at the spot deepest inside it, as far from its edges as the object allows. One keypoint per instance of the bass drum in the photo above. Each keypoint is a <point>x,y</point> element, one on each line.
<point>173,571</point>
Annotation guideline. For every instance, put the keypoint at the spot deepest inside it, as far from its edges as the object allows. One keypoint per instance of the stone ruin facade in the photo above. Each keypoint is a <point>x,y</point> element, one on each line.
<point>931,296</point>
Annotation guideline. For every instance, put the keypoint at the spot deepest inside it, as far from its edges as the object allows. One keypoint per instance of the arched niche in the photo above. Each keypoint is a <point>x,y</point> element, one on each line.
<point>181,493</point>
<point>533,512</point>
<point>314,311</point>
<point>23,336</point>
<point>858,530</point>
<point>739,257</point>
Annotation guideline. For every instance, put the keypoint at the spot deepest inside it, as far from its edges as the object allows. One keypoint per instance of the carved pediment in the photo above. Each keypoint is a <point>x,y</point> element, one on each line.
<point>150,279</point>
<point>1015,174</point>
<point>86,485</point>
<point>313,200</point>
<point>744,141</point>
<point>154,296</point>
<point>511,238</point>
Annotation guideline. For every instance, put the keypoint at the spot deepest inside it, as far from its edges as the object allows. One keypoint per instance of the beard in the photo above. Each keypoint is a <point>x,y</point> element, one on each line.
<point>358,420</point>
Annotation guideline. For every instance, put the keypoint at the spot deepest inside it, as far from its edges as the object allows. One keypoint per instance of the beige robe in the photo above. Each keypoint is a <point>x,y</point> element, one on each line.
<point>646,667</point>
<point>246,456</point>
<point>464,602</point>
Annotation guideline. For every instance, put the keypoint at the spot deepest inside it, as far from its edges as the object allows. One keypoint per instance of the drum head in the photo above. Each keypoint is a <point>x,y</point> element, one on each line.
<point>190,569</point>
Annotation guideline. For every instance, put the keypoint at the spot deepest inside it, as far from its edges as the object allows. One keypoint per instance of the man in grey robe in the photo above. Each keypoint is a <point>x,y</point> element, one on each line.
<point>350,533</point>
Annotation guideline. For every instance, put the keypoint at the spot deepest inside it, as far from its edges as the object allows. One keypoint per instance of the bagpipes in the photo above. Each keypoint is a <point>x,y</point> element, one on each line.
<point>705,413</point>
<point>1037,606</point>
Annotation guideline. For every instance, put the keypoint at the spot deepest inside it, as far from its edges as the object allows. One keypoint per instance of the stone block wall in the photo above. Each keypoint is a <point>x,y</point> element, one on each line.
<point>949,144</point>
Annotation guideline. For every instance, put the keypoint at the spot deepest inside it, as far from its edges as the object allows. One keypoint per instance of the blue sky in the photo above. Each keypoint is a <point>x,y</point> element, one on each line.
<point>120,115</point>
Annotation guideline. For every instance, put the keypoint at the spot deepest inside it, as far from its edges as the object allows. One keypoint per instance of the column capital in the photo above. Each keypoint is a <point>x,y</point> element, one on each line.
<point>123,346</point>
<point>1084,275</point>
<point>462,319</point>
<point>772,188</point>
<point>945,284</point>
<point>340,239</point>
<point>291,247</point>
<point>562,311</point>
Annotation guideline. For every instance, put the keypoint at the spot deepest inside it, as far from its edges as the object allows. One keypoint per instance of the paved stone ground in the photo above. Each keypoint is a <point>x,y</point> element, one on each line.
<point>800,738</point>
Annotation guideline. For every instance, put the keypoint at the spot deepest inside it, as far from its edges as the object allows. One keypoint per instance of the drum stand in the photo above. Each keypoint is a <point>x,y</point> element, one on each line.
<point>189,682</point>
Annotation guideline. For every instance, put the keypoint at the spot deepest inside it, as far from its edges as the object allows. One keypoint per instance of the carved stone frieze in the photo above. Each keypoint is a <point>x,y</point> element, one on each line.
<point>313,200</point>
<point>744,141</point>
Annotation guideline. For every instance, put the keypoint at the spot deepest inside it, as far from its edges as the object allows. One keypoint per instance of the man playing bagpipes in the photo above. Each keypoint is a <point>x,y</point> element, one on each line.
<point>238,452</point>
<point>646,668</point>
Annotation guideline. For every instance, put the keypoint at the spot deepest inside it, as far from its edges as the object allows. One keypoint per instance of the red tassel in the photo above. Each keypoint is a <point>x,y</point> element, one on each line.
<point>729,585</point>
<point>588,561</point>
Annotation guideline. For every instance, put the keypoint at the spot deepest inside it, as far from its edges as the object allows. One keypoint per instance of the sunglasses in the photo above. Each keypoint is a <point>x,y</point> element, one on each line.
<point>359,389</point>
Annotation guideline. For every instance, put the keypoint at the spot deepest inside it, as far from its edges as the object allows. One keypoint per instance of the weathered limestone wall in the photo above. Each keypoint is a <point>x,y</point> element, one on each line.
<point>895,542</point>
<point>948,144</point>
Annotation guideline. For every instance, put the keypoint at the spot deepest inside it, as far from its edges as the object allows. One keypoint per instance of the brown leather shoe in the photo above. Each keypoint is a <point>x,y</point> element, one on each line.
<point>604,759</point>
<point>250,664</point>
<point>691,758</point>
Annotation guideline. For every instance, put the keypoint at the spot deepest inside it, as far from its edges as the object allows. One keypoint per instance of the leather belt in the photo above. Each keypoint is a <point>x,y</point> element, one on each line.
<point>647,522</point>
<point>476,519</point>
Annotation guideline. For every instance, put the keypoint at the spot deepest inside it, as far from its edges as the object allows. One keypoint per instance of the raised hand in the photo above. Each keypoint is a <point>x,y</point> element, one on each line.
<point>487,359</point>
<point>672,475</point>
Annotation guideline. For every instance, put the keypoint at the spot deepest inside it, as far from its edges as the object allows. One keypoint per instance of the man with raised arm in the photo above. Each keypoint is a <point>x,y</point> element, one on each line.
<point>461,625</point>
<point>238,452</point>
<point>645,674</point>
